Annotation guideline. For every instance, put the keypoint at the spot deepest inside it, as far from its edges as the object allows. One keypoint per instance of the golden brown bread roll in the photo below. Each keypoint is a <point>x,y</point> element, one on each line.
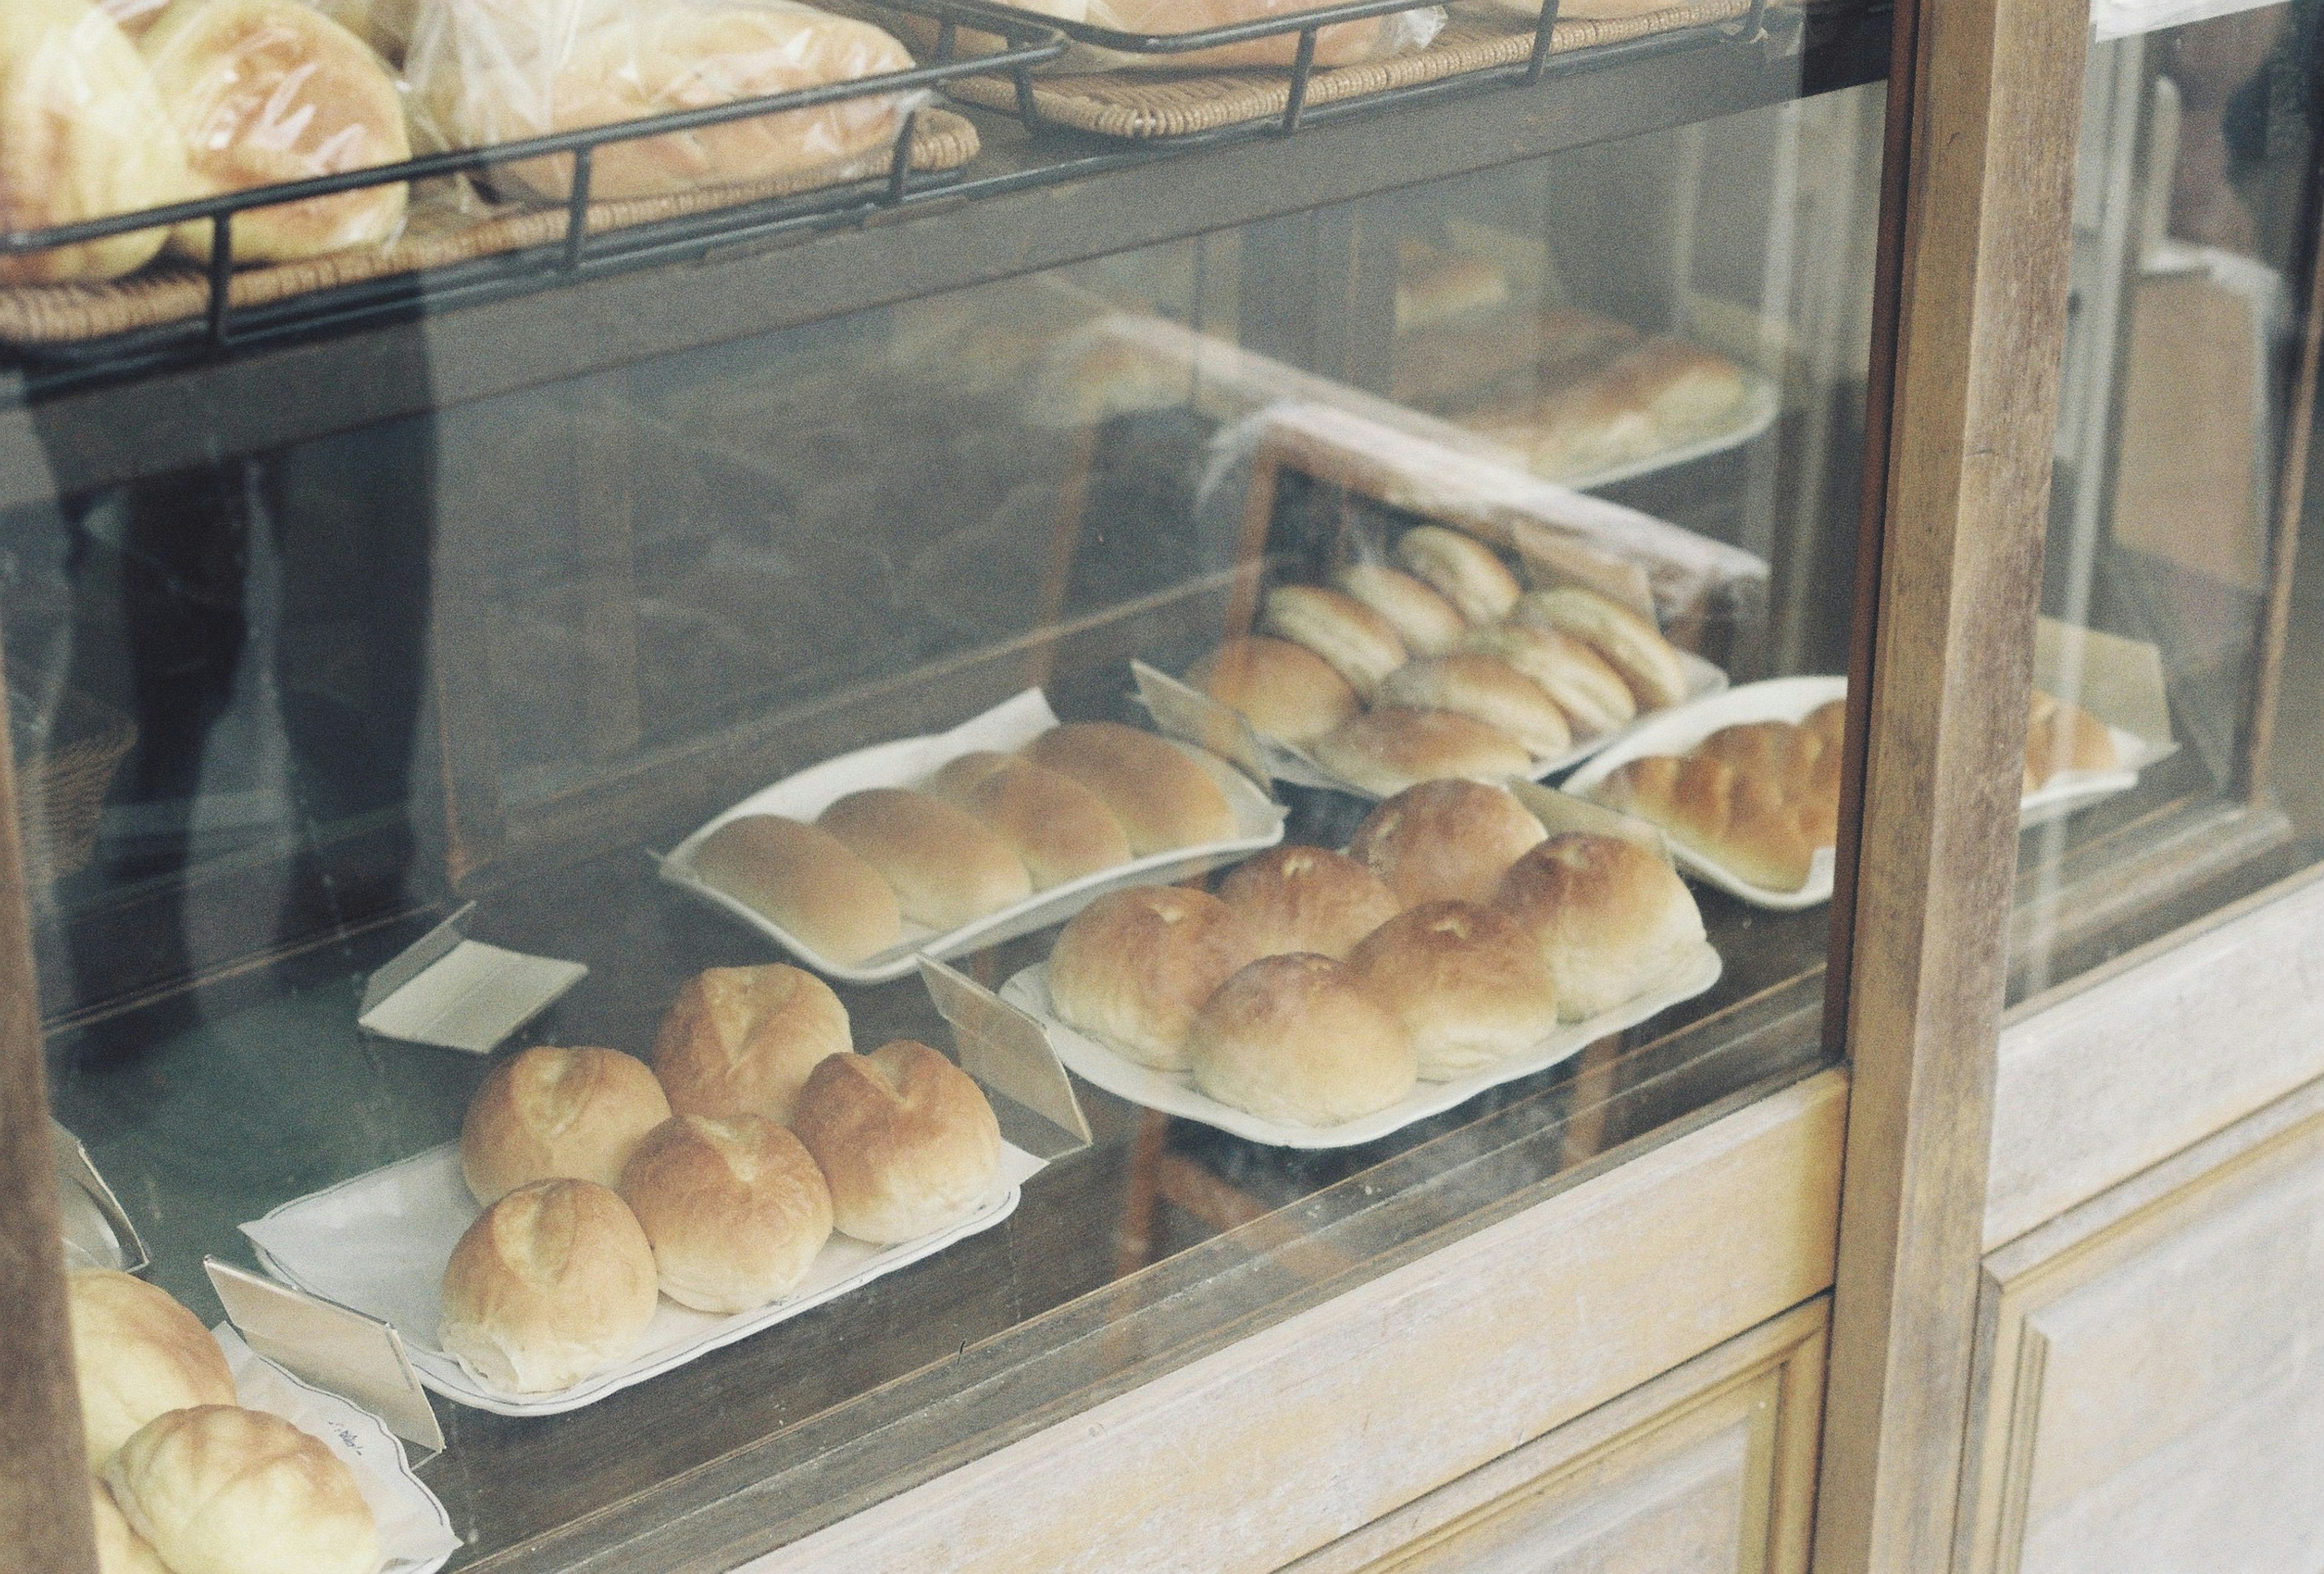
<point>551,1111</point>
<point>1285,690</point>
<point>1059,829</point>
<point>947,866</point>
<point>1446,841</point>
<point>1801,764</point>
<point>805,880</point>
<point>120,1549</point>
<point>1164,799</point>
<point>1305,899</point>
<point>2059,736</point>
<point>1742,822</point>
<point>1297,1039</point>
<point>218,1489</point>
<point>1461,569</point>
<point>1467,981</point>
<point>136,1353</point>
<point>1133,967</point>
<point>735,1209</point>
<point>1634,647</point>
<point>553,1283</point>
<point>1363,646</point>
<point>269,91</point>
<point>1611,918</point>
<point>741,1040</point>
<point>1592,695</point>
<point>1428,624</point>
<point>1485,688</point>
<point>1386,751</point>
<point>905,1138</point>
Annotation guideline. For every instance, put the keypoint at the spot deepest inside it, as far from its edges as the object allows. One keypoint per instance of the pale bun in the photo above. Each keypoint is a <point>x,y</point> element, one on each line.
<point>735,1209</point>
<point>1467,981</point>
<point>1305,899</point>
<point>1630,644</point>
<point>1285,690</point>
<point>1363,646</point>
<point>1428,624</point>
<point>1446,841</point>
<point>1164,798</point>
<point>120,1549</point>
<point>1489,688</point>
<point>947,866</point>
<point>741,1040</point>
<point>553,1283</point>
<point>551,1111</point>
<point>1059,829</point>
<point>1591,692</point>
<point>805,880</point>
<point>1133,967</point>
<point>1461,569</point>
<point>1611,918</point>
<point>1297,1039</point>
<point>218,1489</point>
<point>1386,751</point>
<point>1688,392</point>
<point>136,1353</point>
<point>905,1138</point>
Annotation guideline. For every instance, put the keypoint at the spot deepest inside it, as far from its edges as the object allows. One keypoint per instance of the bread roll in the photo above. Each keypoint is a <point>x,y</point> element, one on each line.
<point>218,1489</point>
<point>1688,392</point>
<point>1305,899</point>
<point>1634,647</point>
<point>1582,429</point>
<point>1446,841</point>
<point>553,1283</point>
<point>1285,690</point>
<point>83,135</point>
<point>946,867</point>
<point>805,880</point>
<point>268,91</point>
<point>1297,1039</point>
<point>1463,570</point>
<point>120,1549</point>
<point>1467,981</point>
<point>1387,751</point>
<point>1164,799</point>
<point>1485,688</point>
<point>1739,820</point>
<point>1436,286</point>
<point>1059,829</point>
<point>1612,919</point>
<point>553,1112</point>
<point>741,1040</point>
<point>2059,736</point>
<point>905,1137</point>
<point>1343,43</point>
<point>735,1209</point>
<point>136,1353</point>
<point>1800,765</point>
<point>1590,692</point>
<point>1428,624</point>
<point>1363,646</point>
<point>1133,967</point>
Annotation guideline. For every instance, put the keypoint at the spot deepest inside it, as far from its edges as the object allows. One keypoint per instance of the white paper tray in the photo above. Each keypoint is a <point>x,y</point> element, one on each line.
<point>906,762</point>
<point>1762,401</point>
<point>378,1244</point>
<point>1171,1093</point>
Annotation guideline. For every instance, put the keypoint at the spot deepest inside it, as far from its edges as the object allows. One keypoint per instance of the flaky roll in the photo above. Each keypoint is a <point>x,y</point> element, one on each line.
<point>945,866</point>
<point>1305,899</point>
<point>1363,646</point>
<point>1425,620</point>
<point>550,1112</point>
<point>1133,967</point>
<point>553,1283</point>
<point>1611,918</point>
<point>1298,1039</point>
<point>742,1041</point>
<point>1468,982</point>
<point>1446,841</point>
<point>1461,569</point>
<point>136,1353</point>
<point>1388,750</point>
<point>805,880</point>
<point>1285,690</point>
<point>1164,798</point>
<point>1488,689</point>
<point>218,1489</point>
<point>735,1209</point>
<point>905,1138</point>
<point>1059,829</point>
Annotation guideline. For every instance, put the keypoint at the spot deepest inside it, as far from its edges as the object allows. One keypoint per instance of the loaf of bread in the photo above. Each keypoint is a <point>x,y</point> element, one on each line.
<point>120,1549</point>
<point>805,880</point>
<point>553,1283</point>
<point>1386,751</point>
<point>1164,797</point>
<point>946,867</point>
<point>1613,918</point>
<point>1592,695</point>
<point>905,1138</point>
<point>1488,689</point>
<point>1285,690</point>
<point>2059,736</point>
<point>1059,829</point>
<point>1305,899</point>
<point>1467,981</point>
<point>136,1353</point>
<point>1757,797</point>
<point>549,1112</point>
<point>735,1209</point>
<point>741,1040</point>
<point>217,1489</point>
<point>1426,622</point>
<point>1298,1039</point>
<point>1630,644</point>
<point>1446,841</point>
<point>1133,967</point>
<point>1363,646</point>
<point>1461,569</point>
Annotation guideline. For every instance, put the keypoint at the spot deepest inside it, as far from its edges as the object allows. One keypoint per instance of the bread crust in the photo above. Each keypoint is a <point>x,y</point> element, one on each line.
<point>1388,750</point>
<point>1591,692</point>
<point>550,1111</point>
<point>1284,690</point>
<point>1613,918</point>
<point>805,880</point>
<point>136,1353</point>
<point>218,1489</point>
<point>742,1041</point>
<point>1459,568</point>
<point>1427,623</point>
<point>1448,840</point>
<point>1059,829</point>
<point>735,1209</point>
<point>905,1139</point>
<point>1363,646</point>
<point>947,866</point>
<point>1488,689</point>
<point>1467,981</point>
<point>1306,899</point>
<point>1133,967</point>
<point>1164,799</point>
<point>552,1283</point>
<point>1297,1039</point>
<point>1632,645</point>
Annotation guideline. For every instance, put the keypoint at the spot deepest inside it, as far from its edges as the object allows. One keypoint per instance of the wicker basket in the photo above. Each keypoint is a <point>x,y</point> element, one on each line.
<point>65,766</point>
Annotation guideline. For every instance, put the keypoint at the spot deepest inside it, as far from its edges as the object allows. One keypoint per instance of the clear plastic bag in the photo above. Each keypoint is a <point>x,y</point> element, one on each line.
<point>1343,43</point>
<point>385,24</point>
<point>487,71</point>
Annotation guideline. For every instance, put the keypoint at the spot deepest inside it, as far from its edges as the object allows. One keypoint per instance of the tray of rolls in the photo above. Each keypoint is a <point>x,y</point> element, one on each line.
<point>1318,999</point>
<point>953,841</point>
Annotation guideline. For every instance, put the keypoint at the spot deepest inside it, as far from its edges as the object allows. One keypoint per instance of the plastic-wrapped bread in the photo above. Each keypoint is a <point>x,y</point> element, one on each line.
<point>1485,688</point>
<point>1363,646</point>
<point>1388,750</point>
<point>1285,690</point>
<point>385,24</point>
<point>1343,43</point>
<point>1428,624</point>
<point>1632,645</point>
<point>1464,571</point>
<point>1592,695</point>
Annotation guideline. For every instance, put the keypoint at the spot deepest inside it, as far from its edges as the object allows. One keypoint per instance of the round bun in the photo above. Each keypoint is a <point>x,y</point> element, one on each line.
<point>1489,688</point>
<point>1592,694</point>
<point>1363,646</point>
<point>804,879</point>
<point>552,1112</point>
<point>1160,792</point>
<point>553,1283</point>
<point>905,1137</point>
<point>120,1549</point>
<point>1461,569</point>
<point>735,1209</point>
<point>218,1489</point>
<point>1467,982</point>
<point>1613,918</point>
<point>137,1354</point>
<point>1446,841</point>
<point>1428,624</point>
<point>1285,690</point>
<point>1384,752</point>
<point>946,867</point>
<point>1305,899</point>
<point>1297,1039</point>
<point>1059,829</point>
<point>1133,967</point>
<point>741,1040</point>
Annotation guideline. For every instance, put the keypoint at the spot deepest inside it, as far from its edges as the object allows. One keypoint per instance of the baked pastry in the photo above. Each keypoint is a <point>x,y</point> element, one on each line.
<point>1446,841</point>
<point>1162,795</point>
<point>1285,690</point>
<point>1577,429</point>
<point>1461,569</point>
<point>1757,797</point>
<point>1297,1039</point>
<point>805,880</point>
<point>741,1040</point>
<point>269,91</point>
<point>1343,43</point>
<point>905,1138</point>
<point>1305,899</point>
<point>218,1489</point>
<point>1133,967</point>
<point>1363,646</point>
<point>1389,750</point>
<point>1489,688</point>
<point>120,1549</point>
<point>136,1353</point>
<point>1590,692</point>
<point>1059,829</point>
<point>1686,391</point>
<point>735,1209</point>
<point>1612,919</point>
<point>83,135</point>
<point>1632,645</point>
<point>550,1112</point>
<point>2060,736</point>
<point>1426,622</point>
<point>1467,981</point>
<point>945,866</point>
<point>553,1283</point>
<point>1434,286</point>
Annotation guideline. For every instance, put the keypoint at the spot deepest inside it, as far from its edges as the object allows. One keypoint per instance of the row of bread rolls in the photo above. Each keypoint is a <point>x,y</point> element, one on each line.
<point>186,1481</point>
<point>986,831</point>
<point>1656,395</point>
<point>1316,987</point>
<point>714,1177</point>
